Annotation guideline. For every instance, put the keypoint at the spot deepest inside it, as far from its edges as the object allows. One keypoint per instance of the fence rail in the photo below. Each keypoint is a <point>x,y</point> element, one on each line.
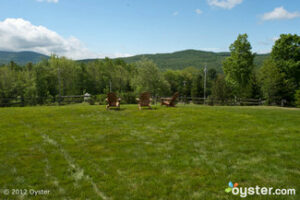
<point>63,100</point>
<point>231,102</point>
<point>20,101</point>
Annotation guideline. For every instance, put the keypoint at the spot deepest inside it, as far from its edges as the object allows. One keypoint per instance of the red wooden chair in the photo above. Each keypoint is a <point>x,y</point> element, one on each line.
<point>112,101</point>
<point>144,100</point>
<point>170,102</point>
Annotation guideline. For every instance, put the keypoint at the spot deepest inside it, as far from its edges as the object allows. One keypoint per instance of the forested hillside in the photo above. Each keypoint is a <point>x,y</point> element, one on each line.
<point>188,58</point>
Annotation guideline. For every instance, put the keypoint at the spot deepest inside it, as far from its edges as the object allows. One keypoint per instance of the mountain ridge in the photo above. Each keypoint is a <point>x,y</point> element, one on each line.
<point>21,57</point>
<point>175,60</point>
<point>187,58</point>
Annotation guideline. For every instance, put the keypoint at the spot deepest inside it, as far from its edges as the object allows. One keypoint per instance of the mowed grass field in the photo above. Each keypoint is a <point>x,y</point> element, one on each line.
<point>188,152</point>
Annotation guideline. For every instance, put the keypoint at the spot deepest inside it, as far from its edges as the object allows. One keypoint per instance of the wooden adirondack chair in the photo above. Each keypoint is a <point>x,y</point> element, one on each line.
<point>144,100</point>
<point>112,101</point>
<point>170,102</point>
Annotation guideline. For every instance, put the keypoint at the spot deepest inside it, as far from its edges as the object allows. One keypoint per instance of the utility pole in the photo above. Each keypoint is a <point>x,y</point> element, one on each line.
<point>59,82</point>
<point>205,70</point>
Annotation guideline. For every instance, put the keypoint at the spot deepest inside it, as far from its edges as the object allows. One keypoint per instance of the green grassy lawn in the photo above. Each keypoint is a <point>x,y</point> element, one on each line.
<point>188,152</point>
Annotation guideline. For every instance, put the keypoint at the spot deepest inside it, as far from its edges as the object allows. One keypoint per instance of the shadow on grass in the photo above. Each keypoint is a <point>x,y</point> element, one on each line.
<point>153,108</point>
<point>148,109</point>
<point>116,109</point>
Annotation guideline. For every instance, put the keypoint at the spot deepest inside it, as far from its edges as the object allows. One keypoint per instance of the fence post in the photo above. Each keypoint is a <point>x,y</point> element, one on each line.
<point>59,100</point>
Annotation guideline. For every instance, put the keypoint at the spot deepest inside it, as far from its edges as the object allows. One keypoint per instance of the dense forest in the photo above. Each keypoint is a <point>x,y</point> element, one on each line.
<point>276,81</point>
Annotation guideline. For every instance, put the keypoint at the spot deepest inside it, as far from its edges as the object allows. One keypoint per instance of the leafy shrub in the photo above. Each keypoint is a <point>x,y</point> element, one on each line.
<point>128,98</point>
<point>92,100</point>
<point>100,98</point>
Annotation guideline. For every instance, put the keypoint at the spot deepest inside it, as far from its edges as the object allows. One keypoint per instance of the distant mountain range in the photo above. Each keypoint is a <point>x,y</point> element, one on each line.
<point>176,60</point>
<point>21,58</point>
<point>188,58</point>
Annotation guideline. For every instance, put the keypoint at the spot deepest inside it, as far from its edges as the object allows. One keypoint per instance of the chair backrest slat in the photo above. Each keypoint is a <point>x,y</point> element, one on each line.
<point>175,96</point>
<point>112,98</point>
<point>145,98</point>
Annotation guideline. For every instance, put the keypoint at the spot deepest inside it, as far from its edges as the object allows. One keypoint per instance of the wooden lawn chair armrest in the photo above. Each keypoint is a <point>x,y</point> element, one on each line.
<point>166,99</point>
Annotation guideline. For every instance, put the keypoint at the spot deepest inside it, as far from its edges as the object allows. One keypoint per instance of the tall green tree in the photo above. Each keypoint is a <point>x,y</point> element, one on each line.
<point>297,98</point>
<point>197,85</point>
<point>173,78</point>
<point>149,78</point>
<point>212,74</point>
<point>286,56</point>
<point>238,67</point>
<point>274,84</point>
<point>67,73</point>
<point>220,89</point>
<point>186,79</point>
<point>7,85</point>
<point>254,88</point>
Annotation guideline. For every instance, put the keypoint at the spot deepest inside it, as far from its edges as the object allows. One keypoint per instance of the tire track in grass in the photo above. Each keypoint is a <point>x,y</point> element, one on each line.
<point>79,172</point>
<point>54,180</point>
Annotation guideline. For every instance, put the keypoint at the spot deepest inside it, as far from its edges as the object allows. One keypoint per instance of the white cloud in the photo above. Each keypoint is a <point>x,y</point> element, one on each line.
<point>49,1</point>
<point>268,41</point>
<point>118,55</point>
<point>226,4</point>
<point>274,39</point>
<point>198,11</point>
<point>175,13</point>
<point>21,35</point>
<point>280,13</point>
<point>212,49</point>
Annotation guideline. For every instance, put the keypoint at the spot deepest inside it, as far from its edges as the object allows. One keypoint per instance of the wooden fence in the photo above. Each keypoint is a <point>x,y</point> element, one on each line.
<point>212,102</point>
<point>63,100</point>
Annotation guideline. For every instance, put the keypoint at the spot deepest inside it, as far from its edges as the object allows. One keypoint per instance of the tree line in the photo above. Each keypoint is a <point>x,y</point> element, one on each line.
<point>276,81</point>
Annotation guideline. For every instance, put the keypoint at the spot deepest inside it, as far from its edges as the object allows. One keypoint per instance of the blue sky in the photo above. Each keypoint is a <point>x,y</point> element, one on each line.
<point>97,28</point>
